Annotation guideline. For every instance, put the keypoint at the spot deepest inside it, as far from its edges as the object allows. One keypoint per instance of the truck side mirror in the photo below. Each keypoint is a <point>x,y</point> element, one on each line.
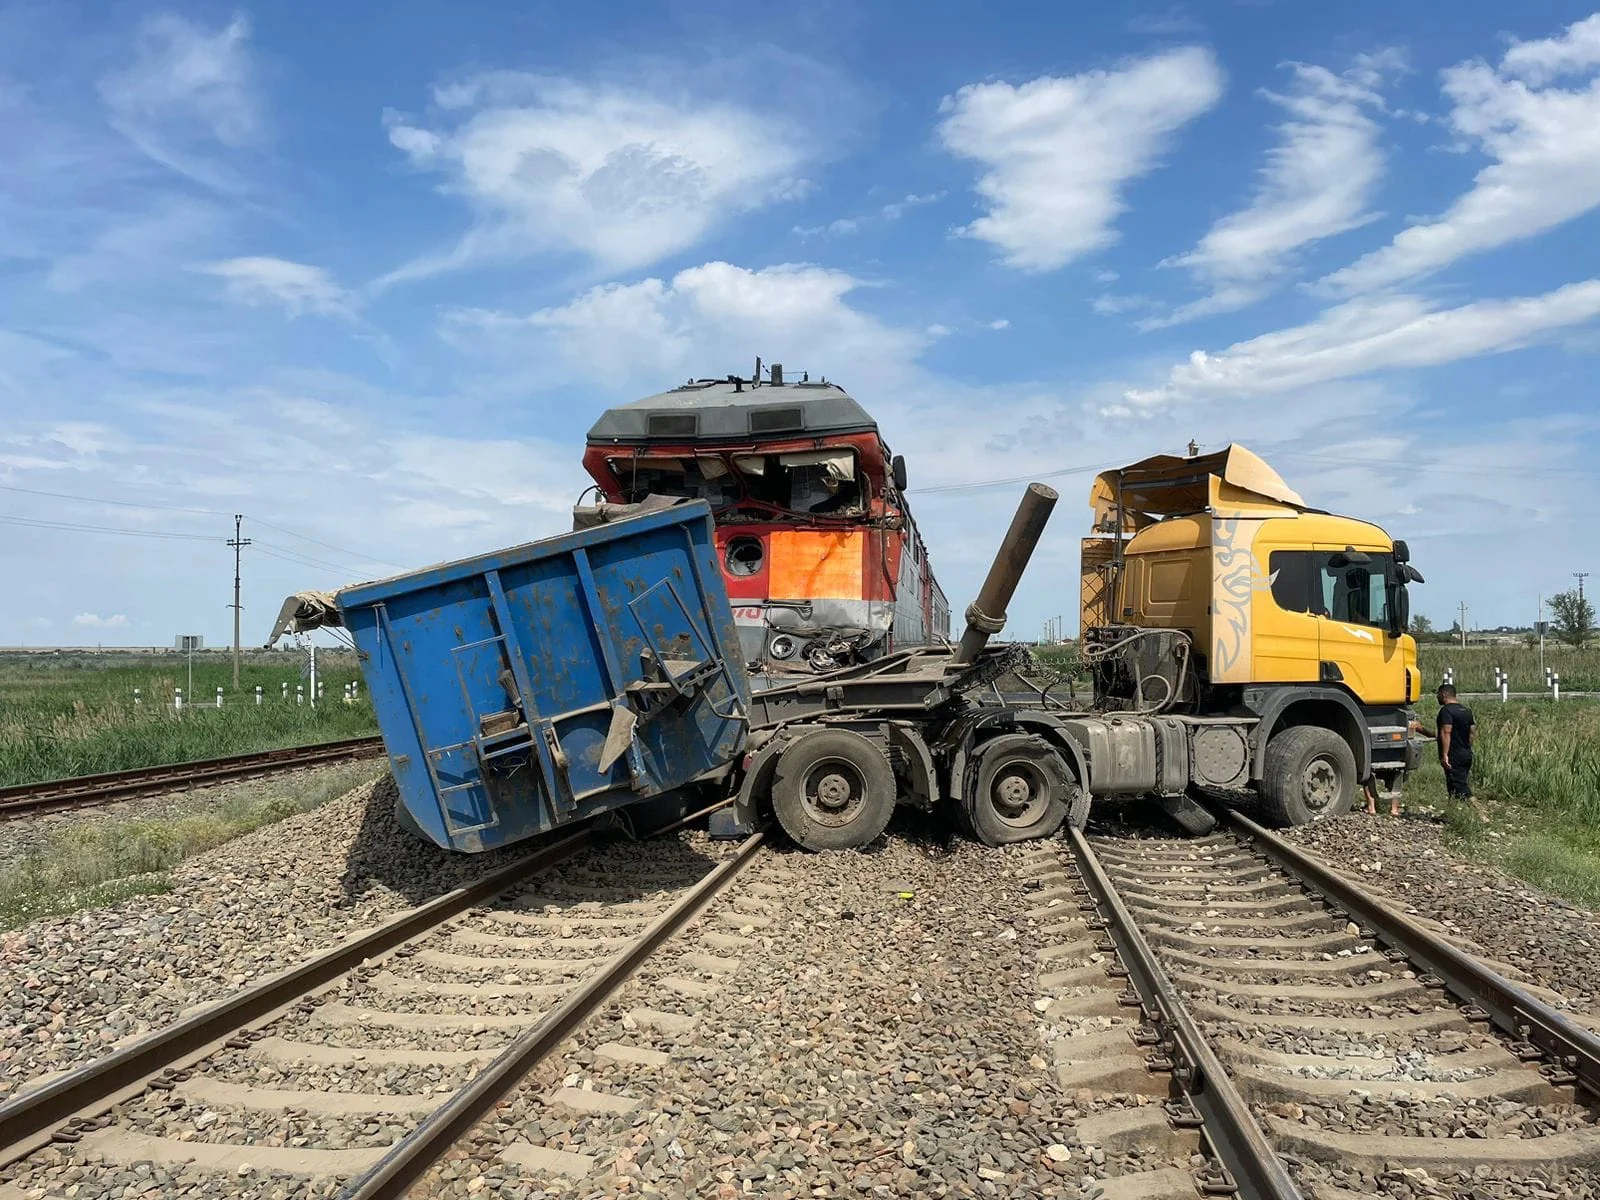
<point>1399,610</point>
<point>897,469</point>
<point>1402,552</point>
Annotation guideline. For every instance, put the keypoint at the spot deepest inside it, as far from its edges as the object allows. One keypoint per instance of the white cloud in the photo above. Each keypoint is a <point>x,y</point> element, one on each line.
<point>898,208</point>
<point>1367,335</point>
<point>839,228</point>
<point>1001,323</point>
<point>622,176</point>
<point>1316,183</point>
<point>298,287</point>
<point>1109,305</point>
<point>1545,143</point>
<point>89,620</point>
<point>705,321</point>
<point>1174,22</point>
<point>1576,50</point>
<point>188,90</point>
<point>889,212</point>
<point>1057,152</point>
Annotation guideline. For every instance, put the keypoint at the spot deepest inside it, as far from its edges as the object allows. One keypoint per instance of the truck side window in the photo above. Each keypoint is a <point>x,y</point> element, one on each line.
<point>1291,579</point>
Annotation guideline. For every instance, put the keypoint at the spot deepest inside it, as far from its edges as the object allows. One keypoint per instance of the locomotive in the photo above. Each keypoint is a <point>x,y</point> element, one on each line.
<point>822,560</point>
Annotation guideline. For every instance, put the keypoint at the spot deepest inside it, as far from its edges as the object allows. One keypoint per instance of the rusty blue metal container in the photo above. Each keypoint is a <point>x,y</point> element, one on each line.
<point>524,689</point>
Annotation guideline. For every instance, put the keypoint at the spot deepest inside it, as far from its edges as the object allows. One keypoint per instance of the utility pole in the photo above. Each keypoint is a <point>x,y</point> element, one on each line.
<point>238,543</point>
<point>1580,576</point>
<point>1463,624</point>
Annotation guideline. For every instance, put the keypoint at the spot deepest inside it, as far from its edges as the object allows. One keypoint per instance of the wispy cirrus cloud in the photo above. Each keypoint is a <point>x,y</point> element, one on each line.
<point>1367,335</point>
<point>189,91</point>
<point>1056,152</point>
<point>1544,141</point>
<point>298,287</point>
<point>1318,182</point>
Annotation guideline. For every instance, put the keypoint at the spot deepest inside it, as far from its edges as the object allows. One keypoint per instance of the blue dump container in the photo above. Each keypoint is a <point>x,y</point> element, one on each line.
<point>520,690</point>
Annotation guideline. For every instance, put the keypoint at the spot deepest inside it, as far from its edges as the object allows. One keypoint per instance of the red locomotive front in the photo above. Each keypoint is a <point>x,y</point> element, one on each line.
<point>823,562</point>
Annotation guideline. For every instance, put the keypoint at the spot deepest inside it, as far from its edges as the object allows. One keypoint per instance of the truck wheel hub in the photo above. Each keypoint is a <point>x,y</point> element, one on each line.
<point>833,790</point>
<point>1321,784</point>
<point>1020,794</point>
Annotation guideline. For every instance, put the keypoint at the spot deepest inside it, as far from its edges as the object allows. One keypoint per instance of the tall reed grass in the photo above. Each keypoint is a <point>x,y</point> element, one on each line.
<point>64,715</point>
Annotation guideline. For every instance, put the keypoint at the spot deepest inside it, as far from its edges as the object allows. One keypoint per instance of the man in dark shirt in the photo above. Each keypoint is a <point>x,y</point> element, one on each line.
<point>1456,728</point>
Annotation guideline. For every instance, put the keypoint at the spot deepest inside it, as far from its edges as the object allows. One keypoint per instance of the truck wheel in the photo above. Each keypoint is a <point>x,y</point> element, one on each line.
<point>1022,790</point>
<point>833,790</point>
<point>1309,775</point>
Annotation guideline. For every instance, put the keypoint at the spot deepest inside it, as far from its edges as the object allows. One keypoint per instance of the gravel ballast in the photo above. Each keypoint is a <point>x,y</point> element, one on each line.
<point>1554,942</point>
<point>878,1038</point>
<point>71,987</point>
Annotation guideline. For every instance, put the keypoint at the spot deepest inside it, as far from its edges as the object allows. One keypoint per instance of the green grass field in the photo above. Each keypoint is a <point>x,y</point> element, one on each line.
<point>82,864</point>
<point>73,713</point>
<point>1474,666</point>
<point>1536,770</point>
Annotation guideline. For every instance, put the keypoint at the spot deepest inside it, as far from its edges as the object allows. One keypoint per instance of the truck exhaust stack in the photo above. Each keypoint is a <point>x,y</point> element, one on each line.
<point>986,616</point>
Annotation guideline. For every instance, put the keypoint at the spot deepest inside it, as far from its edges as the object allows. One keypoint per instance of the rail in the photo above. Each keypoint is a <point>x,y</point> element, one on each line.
<point>28,1119</point>
<point>87,791</point>
<point>1240,1146</point>
<point>1509,1007</point>
<point>73,1104</point>
<point>394,1174</point>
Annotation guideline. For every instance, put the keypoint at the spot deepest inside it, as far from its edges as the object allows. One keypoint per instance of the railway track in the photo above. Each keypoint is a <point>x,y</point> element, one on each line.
<point>85,791</point>
<point>358,1071</point>
<point>1236,1018</point>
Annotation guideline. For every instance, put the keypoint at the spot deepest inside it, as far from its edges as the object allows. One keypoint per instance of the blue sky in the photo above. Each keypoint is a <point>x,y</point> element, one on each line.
<point>366,273</point>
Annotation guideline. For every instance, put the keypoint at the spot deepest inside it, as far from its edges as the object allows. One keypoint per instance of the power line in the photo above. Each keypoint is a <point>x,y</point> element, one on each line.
<point>206,512</point>
<point>356,554</point>
<point>1033,478</point>
<point>75,527</point>
<point>1395,463</point>
<point>273,550</point>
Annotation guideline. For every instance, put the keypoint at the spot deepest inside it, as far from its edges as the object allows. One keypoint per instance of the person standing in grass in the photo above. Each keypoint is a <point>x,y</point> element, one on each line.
<point>1456,727</point>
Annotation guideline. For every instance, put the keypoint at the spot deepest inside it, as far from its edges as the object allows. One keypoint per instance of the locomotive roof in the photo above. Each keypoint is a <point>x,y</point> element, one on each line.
<point>722,410</point>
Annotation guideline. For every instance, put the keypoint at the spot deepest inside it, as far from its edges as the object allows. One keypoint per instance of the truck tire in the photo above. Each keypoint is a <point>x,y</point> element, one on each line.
<point>1309,775</point>
<point>833,790</point>
<point>1022,790</point>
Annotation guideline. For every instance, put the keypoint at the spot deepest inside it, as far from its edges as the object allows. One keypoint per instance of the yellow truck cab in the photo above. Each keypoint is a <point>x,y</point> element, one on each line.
<point>1212,593</point>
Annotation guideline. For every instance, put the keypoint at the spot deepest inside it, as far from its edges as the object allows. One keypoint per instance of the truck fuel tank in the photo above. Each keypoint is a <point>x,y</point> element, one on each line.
<point>1133,756</point>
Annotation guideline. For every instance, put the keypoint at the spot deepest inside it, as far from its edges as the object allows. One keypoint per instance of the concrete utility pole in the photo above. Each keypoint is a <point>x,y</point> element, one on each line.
<point>238,543</point>
<point>1463,624</point>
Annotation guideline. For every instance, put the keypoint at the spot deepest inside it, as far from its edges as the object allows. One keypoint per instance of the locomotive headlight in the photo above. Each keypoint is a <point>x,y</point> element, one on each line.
<point>744,556</point>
